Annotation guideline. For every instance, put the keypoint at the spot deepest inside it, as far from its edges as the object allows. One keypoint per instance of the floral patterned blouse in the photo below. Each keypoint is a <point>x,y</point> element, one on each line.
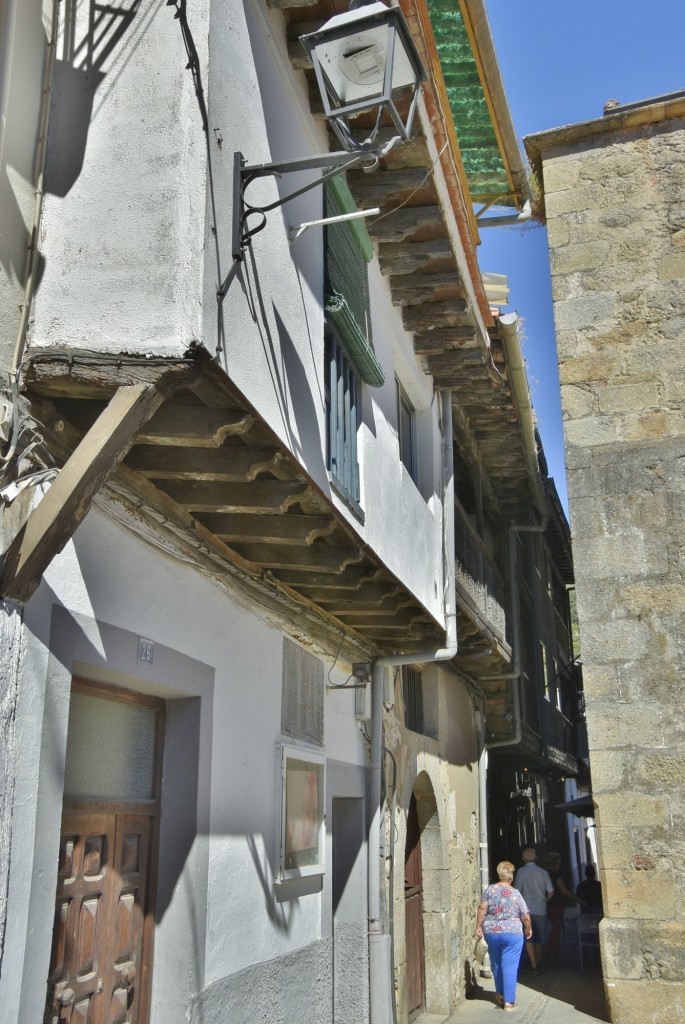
<point>506,906</point>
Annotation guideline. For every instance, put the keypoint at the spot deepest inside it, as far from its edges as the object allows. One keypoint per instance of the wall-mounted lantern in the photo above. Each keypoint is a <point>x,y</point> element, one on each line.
<point>364,60</point>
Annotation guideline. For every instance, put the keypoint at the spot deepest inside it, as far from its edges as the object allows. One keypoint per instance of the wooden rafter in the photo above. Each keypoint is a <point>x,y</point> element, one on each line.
<point>54,520</point>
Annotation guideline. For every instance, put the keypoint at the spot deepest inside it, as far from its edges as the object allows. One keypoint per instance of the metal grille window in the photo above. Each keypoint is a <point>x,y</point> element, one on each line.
<point>413,699</point>
<point>342,417</point>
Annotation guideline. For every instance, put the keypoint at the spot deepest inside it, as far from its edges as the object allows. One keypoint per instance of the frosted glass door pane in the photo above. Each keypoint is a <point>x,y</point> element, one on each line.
<point>110,748</point>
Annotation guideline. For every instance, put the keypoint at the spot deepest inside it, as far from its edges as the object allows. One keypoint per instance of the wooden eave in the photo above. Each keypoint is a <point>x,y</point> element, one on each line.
<point>413,237</point>
<point>207,467</point>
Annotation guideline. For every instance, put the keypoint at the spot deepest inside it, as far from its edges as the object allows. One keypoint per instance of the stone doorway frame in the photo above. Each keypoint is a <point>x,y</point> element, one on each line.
<point>436,897</point>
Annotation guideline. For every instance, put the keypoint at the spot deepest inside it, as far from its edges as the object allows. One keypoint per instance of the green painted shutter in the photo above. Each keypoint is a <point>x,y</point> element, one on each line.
<point>347,301</point>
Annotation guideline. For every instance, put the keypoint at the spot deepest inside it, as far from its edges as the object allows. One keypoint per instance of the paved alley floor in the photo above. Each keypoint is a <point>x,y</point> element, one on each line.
<point>557,997</point>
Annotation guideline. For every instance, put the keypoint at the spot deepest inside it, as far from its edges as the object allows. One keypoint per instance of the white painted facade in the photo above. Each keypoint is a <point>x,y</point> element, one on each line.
<point>222,913</point>
<point>134,241</point>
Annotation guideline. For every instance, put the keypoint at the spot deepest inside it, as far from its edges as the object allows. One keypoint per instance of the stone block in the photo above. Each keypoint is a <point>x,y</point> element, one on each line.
<point>671,267</point>
<point>616,847</point>
<point>635,512</point>
<point>562,173</point>
<point>578,402</point>
<point>654,680</point>
<point>605,642</point>
<point>635,1002</point>
<point>650,598</point>
<point>586,515</point>
<point>597,605</point>
<point>620,217</point>
<point>437,946</point>
<point>644,895</point>
<point>650,426</point>
<point>569,344</point>
<point>566,286</point>
<point>436,889</point>
<point>674,388</point>
<point>591,431</point>
<point>558,232</point>
<point>628,395</point>
<point>621,725</point>
<point>593,367</point>
<point>610,768</point>
<point>619,810</point>
<point>651,359</point>
<point>585,311</point>
<point>665,771</point>
<point>633,950</point>
<point>583,197</point>
<point>583,256</point>
<point>621,951</point>
<point>626,553</point>
<point>578,458</point>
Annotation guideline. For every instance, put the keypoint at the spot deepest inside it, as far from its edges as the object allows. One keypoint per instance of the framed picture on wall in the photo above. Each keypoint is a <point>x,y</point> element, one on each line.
<point>302,824</point>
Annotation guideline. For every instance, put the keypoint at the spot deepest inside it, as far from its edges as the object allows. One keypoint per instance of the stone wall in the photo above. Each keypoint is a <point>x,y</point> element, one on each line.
<point>615,203</point>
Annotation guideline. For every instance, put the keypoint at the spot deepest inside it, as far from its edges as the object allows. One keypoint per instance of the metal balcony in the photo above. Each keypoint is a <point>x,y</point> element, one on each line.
<point>480,587</point>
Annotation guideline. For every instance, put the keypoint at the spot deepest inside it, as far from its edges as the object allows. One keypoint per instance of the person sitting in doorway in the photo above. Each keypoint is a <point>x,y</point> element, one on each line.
<point>591,891</point>
<point>535,885</point>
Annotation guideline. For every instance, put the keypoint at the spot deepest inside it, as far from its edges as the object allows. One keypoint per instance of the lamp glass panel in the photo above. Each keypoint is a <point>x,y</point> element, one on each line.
<point>355,66</point>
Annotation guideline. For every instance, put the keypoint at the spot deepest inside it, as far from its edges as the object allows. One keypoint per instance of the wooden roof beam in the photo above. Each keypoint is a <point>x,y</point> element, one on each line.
<point>54,520</point>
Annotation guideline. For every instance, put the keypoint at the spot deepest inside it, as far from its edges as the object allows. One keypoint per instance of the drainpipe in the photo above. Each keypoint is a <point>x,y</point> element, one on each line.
<point>483,841</point>
<point>507,219</point>
<point>516,367</point>
<point>380,966</point>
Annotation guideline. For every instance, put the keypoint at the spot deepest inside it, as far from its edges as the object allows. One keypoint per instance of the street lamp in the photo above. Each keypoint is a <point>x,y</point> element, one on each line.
<point>362,60</point>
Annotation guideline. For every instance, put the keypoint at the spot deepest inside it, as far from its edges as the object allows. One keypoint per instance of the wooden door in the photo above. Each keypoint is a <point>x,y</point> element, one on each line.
<point>413,915</point>
<point>98,955</point>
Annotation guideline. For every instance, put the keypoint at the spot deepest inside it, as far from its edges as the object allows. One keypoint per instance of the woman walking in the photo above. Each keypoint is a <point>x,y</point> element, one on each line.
<point>503,920</point>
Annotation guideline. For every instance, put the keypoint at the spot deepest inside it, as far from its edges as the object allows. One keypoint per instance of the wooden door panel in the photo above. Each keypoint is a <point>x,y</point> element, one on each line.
<point>97,949</point>
<point>132,847</point>
<point>413,914</point>
<point>79,936</point>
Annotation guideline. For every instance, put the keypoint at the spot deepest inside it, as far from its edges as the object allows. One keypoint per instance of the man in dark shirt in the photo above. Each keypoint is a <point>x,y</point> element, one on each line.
<point>590,891</point>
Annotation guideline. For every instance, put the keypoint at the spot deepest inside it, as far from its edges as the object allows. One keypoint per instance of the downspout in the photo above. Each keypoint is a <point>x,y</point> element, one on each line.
<point>506,220</point>
<point>380,965</point>
<point>483,840</point>
<point>521,393</point>
<point>516,368</point>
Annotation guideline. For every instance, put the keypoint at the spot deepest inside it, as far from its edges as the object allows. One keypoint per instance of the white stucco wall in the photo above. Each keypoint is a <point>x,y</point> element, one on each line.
<point>221,914</point>
<point>23,42</point>
<point>122,228</point>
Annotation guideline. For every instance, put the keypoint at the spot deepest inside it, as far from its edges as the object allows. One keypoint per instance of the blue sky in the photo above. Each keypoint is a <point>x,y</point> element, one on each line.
<point>560,63</point>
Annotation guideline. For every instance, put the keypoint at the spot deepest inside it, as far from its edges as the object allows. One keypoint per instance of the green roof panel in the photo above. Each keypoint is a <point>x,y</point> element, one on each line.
<point>485,170</point>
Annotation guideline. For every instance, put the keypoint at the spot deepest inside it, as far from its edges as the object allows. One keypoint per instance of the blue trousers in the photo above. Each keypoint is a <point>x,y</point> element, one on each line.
<point>505,952</point>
